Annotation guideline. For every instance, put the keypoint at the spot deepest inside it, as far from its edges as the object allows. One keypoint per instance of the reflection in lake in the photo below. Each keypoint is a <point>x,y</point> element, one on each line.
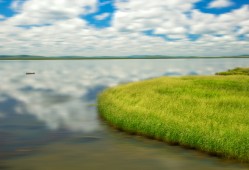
<point>50,119</point>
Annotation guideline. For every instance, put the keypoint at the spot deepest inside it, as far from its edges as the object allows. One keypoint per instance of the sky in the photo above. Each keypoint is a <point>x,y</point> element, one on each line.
<point>124,27</point>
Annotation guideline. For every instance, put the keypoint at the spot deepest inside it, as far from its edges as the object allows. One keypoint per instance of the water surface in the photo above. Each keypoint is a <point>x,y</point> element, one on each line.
<point>49,120</point>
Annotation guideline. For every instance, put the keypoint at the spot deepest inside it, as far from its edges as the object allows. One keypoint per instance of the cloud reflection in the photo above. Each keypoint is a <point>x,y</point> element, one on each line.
<point>60,92</point>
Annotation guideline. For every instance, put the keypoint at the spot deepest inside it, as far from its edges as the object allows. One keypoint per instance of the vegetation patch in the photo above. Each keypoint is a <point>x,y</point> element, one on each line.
<point>236,71</point>
<point>209,113</point>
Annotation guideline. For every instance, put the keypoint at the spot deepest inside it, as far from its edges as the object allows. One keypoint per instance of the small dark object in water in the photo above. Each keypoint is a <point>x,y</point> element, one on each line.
<point>29,73</point>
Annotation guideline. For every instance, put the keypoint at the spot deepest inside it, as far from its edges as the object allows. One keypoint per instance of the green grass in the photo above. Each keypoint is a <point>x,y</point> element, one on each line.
<point>209,113</point>
<point>236,71</point>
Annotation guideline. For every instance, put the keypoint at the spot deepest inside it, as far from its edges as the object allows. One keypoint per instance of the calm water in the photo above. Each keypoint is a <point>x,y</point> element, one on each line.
<point>49,120</point>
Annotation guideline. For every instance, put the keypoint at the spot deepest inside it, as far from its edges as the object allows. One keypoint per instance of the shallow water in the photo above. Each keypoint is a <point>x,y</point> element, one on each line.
<point>49,120</point>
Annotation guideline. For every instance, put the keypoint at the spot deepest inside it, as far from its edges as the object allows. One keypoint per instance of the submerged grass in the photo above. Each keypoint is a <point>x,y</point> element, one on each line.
<point>209,113</point>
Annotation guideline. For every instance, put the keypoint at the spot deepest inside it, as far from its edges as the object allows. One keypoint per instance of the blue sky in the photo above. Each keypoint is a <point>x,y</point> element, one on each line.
<point>105,6</point>
<point>124,27</point>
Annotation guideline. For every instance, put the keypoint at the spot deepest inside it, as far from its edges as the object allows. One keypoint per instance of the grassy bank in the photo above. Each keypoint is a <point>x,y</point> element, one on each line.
<point>209,113</point>
<point>236,71</point>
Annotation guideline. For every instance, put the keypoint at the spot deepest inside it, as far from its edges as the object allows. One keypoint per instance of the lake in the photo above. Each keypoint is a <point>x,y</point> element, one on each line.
<point>49,120</point>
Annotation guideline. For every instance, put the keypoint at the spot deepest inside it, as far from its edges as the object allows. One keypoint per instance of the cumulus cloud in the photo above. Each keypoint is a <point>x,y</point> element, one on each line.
<point>102,16</point>
<point>46,11</point>
<point>156,27</point>
<point>220,4</point>
<point>165,16</point>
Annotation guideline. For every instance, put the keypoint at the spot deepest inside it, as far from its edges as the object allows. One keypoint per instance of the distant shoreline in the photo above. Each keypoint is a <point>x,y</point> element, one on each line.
<point>116,58</point>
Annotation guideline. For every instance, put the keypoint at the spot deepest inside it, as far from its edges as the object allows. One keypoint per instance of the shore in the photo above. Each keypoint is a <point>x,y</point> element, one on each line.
<point>208,113</point>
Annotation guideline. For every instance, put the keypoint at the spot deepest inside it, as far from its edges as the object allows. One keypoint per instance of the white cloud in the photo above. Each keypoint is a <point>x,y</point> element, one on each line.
<point>58,29</point>
<point>17,4</point>
<point>165,17</point>
<point>2,17</point>
<point>46,11</point>
<point>105,3</point>
<point>220,4</point>
<point>102,16</point>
